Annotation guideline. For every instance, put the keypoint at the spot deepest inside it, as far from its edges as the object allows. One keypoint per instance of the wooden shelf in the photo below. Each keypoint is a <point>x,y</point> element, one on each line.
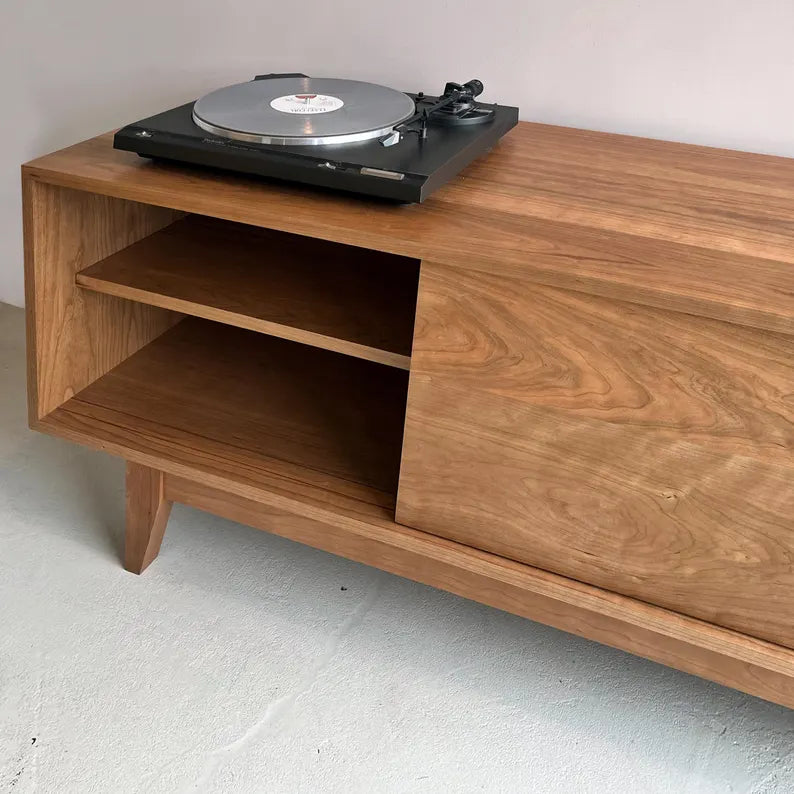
<point>224,404</point>
<point>337,297</point>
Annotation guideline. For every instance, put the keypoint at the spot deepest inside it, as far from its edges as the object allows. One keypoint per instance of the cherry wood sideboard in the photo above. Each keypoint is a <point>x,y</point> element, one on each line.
<point>563,386</point>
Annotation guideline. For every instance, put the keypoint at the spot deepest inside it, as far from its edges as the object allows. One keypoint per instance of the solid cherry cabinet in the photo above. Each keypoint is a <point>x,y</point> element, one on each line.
<point>563,386</point>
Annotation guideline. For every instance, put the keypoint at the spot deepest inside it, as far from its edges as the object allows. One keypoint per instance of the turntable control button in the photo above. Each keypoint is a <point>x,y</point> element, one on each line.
<point>328,165</point>
<point>379,172</point>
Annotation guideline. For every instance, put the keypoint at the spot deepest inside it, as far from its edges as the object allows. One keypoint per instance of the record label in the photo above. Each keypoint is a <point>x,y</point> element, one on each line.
<point>306,104</point>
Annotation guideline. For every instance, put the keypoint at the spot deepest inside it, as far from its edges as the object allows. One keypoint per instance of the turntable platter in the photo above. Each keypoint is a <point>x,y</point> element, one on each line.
<point>295,111</point>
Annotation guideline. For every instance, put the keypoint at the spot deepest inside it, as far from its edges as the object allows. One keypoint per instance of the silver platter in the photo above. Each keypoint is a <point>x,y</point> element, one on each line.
<point>302,111</point>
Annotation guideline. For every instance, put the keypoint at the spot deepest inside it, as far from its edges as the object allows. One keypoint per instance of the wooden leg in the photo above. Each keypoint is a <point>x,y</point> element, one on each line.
<point>147,515</point>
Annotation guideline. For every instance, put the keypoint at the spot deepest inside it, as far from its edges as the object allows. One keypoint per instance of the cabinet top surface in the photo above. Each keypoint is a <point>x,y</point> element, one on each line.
<point>551,198</point>
<point>714,198</point>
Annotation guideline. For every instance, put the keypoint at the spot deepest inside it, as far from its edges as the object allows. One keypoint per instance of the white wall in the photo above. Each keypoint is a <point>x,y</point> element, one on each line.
<point>718,72</point>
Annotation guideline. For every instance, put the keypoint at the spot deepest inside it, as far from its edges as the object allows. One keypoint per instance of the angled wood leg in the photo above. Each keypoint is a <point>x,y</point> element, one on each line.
<point>147,516</point>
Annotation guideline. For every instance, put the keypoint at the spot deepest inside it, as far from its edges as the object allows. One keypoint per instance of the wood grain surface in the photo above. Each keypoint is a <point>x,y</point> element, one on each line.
<point>336,297</point>
<point>249,407</point>
<point>754,666</point>
<point>74,337</point>
<point>690,228</point>
<point>645,452</point>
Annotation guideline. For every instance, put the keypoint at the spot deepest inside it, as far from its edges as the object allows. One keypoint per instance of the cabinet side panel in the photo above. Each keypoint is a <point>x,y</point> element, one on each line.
<point>643,451</point>
<point>75,336</point>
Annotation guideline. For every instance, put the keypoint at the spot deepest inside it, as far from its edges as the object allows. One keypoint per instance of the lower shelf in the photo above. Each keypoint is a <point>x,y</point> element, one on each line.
<point>224,404</point>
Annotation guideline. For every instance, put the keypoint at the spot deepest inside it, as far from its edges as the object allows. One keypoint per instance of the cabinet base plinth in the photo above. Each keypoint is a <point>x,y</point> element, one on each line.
<point>757,667</point>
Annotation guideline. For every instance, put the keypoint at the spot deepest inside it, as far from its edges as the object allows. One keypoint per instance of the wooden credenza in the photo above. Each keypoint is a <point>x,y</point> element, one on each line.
<point>563,386</point>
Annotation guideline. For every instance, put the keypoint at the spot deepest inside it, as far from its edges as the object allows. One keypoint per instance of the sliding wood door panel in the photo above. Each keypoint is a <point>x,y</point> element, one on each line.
<point>641,450</point>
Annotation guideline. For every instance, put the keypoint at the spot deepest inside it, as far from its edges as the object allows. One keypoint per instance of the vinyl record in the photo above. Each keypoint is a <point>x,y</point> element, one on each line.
<point>296,111</point>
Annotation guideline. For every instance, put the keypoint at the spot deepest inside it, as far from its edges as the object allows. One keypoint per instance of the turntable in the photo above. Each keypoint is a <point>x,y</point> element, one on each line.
<point>340,134</point>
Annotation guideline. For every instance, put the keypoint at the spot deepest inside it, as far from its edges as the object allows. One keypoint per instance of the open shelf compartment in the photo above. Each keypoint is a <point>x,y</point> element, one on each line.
<point>332,296</point>
<point>249,408</point>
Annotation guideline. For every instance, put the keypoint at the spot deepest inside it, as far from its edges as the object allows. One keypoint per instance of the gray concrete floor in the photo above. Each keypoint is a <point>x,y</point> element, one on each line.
<point>238,663</point>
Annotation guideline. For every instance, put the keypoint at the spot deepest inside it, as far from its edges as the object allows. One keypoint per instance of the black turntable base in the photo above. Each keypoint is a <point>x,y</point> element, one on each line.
<point>339,134</point>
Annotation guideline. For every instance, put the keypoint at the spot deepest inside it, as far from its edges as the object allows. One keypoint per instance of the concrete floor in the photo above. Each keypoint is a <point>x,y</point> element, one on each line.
<point>242,662</point>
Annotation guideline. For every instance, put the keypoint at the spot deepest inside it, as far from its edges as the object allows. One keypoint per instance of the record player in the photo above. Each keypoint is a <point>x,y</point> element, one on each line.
<point>339,134</point>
